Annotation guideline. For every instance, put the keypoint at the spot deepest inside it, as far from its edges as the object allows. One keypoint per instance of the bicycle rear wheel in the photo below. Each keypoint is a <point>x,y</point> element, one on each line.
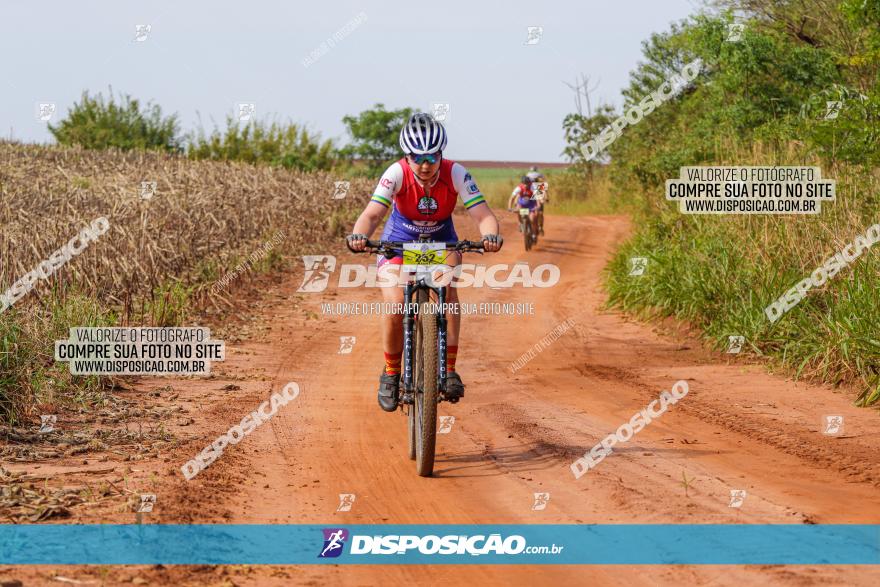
<point>423,421</point>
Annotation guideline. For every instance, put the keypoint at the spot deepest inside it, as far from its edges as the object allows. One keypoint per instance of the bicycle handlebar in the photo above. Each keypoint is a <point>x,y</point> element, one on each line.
<point>387,247</point>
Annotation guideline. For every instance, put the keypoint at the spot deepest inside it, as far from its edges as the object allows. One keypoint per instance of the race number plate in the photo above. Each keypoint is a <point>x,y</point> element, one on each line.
<point>424,256</point>
<point>523,211</point>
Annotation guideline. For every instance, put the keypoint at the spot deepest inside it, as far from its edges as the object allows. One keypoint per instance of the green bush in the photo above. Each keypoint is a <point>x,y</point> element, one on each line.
<point>96,123</point>
<point>30,378</point>
<point>272,143</point>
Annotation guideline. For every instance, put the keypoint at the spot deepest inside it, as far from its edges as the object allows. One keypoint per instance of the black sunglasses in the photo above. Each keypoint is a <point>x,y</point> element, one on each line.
<point>429,158</point>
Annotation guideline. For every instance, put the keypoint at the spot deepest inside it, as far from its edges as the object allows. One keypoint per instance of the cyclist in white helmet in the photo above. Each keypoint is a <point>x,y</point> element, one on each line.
<point>534,174</point>
<point>421,189</point>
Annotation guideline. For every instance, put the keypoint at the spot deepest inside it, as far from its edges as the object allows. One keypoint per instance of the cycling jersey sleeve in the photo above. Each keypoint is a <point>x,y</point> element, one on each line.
<point>516,191</point>
<point>389,184</point>
<point>466,187</point>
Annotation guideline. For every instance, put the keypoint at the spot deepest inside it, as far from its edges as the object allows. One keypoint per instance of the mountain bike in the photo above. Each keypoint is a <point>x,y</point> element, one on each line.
<point>530,233</point>
<point>423,381</point>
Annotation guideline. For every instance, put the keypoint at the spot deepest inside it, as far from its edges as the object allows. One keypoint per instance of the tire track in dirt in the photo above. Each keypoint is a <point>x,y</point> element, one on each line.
<point>517,433</point>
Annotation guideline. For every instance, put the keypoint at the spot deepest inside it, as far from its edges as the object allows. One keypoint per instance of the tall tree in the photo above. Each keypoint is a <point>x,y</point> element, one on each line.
<point>374,134</point>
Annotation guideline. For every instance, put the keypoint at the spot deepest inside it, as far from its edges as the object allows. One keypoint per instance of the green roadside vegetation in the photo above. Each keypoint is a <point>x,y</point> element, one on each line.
<point>760,100</point>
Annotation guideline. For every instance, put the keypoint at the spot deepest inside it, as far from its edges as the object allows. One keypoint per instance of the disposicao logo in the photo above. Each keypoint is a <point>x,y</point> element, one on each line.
<point>408,544</point>
<point>334,541</point>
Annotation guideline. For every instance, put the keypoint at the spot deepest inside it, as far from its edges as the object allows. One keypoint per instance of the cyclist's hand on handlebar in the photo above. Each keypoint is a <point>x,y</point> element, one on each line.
<point>492,242</point>
<point>356,242</point>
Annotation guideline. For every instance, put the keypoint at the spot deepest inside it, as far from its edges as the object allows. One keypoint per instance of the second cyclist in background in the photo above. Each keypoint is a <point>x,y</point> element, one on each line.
<point>523,197</point>
<point>534,175</point>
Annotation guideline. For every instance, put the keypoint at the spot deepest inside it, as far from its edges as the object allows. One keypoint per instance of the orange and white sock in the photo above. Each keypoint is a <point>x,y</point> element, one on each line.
<point>451,352</point>
<point>392,363</point>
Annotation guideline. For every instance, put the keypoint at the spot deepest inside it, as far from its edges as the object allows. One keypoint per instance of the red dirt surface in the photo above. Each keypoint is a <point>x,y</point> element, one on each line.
<point>514,434</point>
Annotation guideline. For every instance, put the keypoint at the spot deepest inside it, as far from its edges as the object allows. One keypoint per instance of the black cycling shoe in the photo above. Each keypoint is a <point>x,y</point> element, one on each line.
<point>454,387</point>
<point>389,388</point>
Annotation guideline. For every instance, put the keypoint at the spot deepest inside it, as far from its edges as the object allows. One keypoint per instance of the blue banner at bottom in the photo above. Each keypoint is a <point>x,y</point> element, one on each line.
<point>623,544</point>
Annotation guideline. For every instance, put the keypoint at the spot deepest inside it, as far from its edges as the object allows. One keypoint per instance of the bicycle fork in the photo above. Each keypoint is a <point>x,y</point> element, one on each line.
<point>441,342</point>
<point>408,335</point>
<point>408,327</point>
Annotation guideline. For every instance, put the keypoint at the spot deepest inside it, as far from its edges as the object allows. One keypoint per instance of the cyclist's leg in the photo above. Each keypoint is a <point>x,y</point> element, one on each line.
<point>454,385</point>
<point>392,294</point>
<point>392,334</point>
<point>453,319</point>
<point>533,216</point>
<point>388,280</point>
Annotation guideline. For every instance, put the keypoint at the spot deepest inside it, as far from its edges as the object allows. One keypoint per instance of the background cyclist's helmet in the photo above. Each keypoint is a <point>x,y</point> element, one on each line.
<point>526,180</point>
<point>422,135</point>
<point>533,168</point>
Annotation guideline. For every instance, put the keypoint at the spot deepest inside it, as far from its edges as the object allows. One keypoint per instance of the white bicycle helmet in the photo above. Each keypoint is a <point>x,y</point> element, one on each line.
<point>422,135</point>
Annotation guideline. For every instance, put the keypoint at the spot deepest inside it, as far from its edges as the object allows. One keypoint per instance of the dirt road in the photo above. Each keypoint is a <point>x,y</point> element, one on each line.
<point>515,435</point>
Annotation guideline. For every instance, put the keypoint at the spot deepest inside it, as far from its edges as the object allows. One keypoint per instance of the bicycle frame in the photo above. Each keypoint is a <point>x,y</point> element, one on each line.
<point>420,405</point>
<point>412,287</point>
<point>409,316</point>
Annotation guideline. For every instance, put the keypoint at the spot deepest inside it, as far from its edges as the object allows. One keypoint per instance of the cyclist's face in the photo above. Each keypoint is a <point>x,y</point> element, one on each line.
<point>424,170</point>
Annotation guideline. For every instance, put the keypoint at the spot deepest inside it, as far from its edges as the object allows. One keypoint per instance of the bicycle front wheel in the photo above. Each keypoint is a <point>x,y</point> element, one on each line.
<point>426,393</point>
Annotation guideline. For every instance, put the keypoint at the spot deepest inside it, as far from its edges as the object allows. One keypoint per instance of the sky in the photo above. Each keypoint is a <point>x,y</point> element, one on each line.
<point>507,98</point>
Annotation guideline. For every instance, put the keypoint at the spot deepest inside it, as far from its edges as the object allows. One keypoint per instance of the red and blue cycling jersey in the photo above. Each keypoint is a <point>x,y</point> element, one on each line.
<point>525,197</point>
<point>414,211</point>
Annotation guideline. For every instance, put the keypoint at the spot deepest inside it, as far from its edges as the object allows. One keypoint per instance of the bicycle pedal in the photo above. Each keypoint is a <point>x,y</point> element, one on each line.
<point>407,398</point>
